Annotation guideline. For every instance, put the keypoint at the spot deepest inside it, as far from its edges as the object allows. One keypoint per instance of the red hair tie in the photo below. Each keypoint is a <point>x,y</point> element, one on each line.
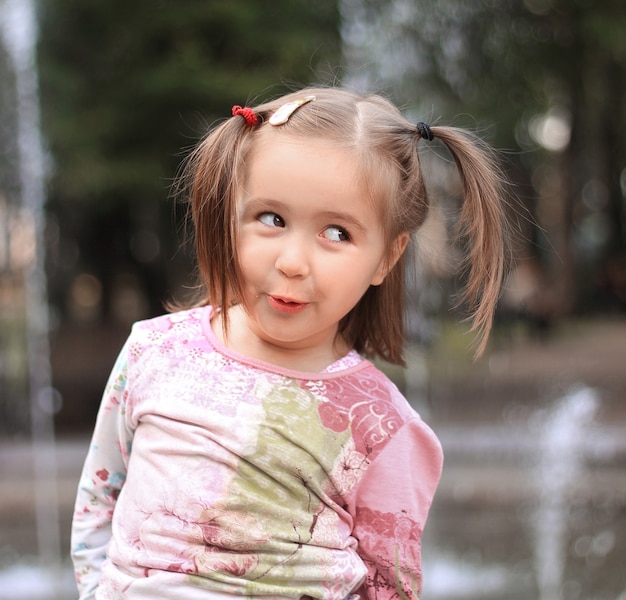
<point>247,113</point>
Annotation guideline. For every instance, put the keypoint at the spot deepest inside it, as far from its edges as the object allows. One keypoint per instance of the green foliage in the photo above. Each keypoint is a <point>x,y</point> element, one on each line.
<point>126,89</point>
<point>126,85</point>
<point>507,68</point>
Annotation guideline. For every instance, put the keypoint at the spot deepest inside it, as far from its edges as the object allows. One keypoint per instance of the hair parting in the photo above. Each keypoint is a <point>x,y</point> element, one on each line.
<point>209,180</point>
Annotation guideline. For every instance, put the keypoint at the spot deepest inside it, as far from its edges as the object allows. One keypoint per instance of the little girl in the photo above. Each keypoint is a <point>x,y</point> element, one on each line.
<point>245,447</point>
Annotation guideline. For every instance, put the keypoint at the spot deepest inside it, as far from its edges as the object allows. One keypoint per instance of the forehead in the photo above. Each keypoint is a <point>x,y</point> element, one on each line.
<point>281,159</point>
<point>313,180</point>
<point>268,139</point>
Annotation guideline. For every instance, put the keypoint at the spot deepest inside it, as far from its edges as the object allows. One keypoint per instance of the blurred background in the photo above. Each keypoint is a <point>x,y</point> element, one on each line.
<point>99,102</point>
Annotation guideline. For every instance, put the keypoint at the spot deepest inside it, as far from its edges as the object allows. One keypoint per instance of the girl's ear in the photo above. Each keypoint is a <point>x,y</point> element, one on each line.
<point>398,246</point>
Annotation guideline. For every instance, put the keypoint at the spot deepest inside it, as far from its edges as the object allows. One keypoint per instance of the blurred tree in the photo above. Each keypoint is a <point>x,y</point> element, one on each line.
<point>124,82</point>
<point>126,86</point>
<point>545,79</point>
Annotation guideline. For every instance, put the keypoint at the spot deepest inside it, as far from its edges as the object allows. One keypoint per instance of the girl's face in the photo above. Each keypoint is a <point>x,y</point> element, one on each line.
<point>310,243</point>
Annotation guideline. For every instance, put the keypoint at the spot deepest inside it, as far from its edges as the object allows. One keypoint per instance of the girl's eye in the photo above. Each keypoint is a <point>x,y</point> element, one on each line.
<point>336,234</point>
<point>271,219</point>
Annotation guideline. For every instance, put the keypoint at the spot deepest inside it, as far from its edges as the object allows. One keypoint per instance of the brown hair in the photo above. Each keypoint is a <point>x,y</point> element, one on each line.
<point>385,146</point>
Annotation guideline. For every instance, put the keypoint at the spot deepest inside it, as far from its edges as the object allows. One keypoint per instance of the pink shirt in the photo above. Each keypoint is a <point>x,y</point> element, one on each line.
<point>212,475</point>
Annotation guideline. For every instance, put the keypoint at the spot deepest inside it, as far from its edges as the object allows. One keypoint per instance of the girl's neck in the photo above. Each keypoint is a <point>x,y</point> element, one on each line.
<point>240,339</point>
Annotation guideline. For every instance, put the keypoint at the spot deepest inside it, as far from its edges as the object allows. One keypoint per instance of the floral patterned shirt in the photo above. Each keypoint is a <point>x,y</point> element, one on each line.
<point>212,475</point>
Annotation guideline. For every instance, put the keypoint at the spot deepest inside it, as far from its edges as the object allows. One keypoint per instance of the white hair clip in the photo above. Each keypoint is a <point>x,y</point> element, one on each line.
<point>283,114</point>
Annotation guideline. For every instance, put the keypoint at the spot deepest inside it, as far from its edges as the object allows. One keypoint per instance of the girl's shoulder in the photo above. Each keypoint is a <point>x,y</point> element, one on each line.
<point>185,326</point>
<point>368,384</point>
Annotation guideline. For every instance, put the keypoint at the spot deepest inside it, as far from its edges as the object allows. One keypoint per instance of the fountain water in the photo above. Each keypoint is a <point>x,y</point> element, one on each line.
<point>537,471</point>
<point>18,36</point>
<point>560,461</point>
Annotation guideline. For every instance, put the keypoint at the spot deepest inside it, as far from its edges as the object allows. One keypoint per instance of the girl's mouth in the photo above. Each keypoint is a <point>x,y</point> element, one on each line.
<point>286,306</point>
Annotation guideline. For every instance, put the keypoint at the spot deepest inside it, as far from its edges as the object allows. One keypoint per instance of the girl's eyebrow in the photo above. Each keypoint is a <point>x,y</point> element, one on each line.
<point>344,218</point>
<point>255,201</point>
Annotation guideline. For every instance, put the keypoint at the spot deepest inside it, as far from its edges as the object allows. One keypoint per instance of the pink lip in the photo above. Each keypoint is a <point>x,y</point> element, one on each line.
<point>286,306</point>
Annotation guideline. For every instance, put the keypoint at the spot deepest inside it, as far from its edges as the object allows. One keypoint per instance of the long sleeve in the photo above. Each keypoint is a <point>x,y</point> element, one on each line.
<point>103,476</point>
<point>390,508</point>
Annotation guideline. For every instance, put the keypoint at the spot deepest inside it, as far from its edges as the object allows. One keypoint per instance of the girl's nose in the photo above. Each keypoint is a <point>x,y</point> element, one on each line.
<point>293,261</point>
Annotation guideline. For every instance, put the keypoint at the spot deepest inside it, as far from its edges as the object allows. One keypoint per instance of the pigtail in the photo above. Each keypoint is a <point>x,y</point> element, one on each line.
<point>209,183</point>
<point>481,225</point>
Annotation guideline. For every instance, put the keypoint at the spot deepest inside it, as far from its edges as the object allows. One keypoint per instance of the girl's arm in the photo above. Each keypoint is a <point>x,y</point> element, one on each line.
<point>102,479</point>
<point>390,510</point>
